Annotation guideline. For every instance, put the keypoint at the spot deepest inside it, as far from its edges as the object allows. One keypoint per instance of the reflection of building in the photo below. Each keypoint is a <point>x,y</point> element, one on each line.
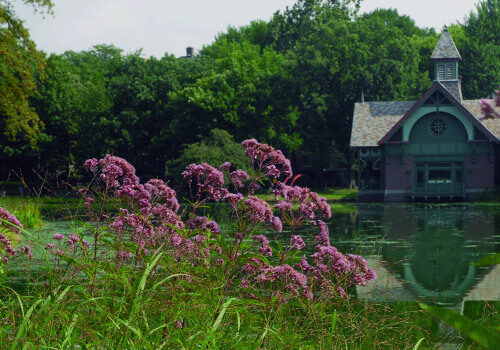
<point>435,147</point>
<point>430,252</point>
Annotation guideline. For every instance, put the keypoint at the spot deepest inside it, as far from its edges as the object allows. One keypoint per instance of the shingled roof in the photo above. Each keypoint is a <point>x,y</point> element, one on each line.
<point>373,120</point>
<point>454,87</point>
<point>445,47</point>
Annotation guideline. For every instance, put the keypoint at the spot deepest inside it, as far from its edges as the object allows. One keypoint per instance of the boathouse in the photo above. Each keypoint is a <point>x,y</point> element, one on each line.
<point>435,148</point>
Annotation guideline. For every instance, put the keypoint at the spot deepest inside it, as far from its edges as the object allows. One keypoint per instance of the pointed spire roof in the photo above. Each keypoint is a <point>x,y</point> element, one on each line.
<point>445,47</point>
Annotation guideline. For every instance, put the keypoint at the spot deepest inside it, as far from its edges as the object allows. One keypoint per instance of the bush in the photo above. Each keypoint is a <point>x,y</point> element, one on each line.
<point>217,148</point>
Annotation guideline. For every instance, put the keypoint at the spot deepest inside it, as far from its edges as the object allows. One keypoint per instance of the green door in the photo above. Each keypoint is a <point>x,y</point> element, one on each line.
<point>439,179</point>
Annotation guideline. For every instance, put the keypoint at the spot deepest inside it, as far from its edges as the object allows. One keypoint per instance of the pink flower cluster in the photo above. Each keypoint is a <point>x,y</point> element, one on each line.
<point>153,225</point>
<point>332,271</point>
<point>310,204</point>
<point>266,158</point>
<point>238,177</point>
<point>163,194</point>
<point>264,248</point>
<point>329,274</point>
<point>259,211</point>
<point>91,164</point>
<point>6,246</point>
<point>73,242</point>
<point>156,218</point>
<point>6,249</point>
<point>233,198</point>
<point>290,280</point>
<point>208,180</point>
<point>115,171</point>
<point>152,218</point>
<point>5,215</point>
<point>203,223</point>
<point>488,109</point>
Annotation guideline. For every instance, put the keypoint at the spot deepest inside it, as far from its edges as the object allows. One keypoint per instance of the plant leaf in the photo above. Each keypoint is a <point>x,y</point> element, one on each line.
<point>473,330</point>
<point>418,343</point>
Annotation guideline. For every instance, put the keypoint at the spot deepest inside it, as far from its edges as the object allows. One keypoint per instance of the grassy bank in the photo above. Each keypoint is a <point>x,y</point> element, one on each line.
<point>176,314</point>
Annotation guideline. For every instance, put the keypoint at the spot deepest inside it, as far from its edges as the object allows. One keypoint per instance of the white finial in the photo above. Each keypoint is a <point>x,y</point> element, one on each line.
<point>362,96</point>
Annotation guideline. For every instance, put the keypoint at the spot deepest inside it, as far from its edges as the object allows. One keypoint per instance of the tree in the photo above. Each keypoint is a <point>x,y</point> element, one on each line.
<point>479,46</point>
<point>21,65</point>
<point>240,90</point>
<point>217,148</point>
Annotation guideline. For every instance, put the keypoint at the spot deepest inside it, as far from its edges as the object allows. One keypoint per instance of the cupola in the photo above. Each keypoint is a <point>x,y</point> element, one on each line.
<point>446,58</point>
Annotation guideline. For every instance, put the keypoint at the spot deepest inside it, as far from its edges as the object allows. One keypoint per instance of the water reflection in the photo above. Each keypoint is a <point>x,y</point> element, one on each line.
<point>426,251</point>
<point>419,251</point>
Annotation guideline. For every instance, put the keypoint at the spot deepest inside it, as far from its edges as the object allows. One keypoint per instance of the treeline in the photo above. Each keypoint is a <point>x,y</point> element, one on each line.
<point>290,82</point>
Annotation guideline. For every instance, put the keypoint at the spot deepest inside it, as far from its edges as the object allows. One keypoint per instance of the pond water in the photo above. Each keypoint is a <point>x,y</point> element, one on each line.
<point>419,252</point>
<point>424,252</point>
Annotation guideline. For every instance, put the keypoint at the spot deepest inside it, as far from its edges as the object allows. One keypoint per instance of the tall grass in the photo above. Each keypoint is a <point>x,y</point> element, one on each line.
<point>177,314</point>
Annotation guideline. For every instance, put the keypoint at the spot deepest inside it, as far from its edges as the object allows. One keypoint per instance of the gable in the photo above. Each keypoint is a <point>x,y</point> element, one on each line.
<point>438,127</point>
<point>373,120</point>
<point>437,99</point>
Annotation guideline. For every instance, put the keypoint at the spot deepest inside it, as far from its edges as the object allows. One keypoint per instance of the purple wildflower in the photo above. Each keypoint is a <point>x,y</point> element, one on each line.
<point>284,205</point>
<point>260,211</point>
<point>176,240</point>
<point>208,180</point>
<point>297,242</point>
<point>58,236</point>
<point>265,157</point>
<point>91,164</point>
<point>225,167</point>
<point>276,224</point>
<point>27,251</point>
<point>261,239</point>
<point>123,255</point>
<point>5,215</point>
<point>238,177</point>
<point>233,198</point>
<point>488,109</point>
<point>88,202</point>
<point>6,245</point>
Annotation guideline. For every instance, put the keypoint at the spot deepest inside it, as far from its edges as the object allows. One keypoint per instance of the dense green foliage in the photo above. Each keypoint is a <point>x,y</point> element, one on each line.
<point>291,82</point>
<point>217,148</point>
<point>20,66</point>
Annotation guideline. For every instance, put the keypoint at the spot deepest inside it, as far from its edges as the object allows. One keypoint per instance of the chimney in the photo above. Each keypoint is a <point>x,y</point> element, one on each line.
<point>189,51</point>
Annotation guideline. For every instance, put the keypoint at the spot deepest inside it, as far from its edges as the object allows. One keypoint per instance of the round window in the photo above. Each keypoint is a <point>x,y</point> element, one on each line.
<point>437,127</point>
